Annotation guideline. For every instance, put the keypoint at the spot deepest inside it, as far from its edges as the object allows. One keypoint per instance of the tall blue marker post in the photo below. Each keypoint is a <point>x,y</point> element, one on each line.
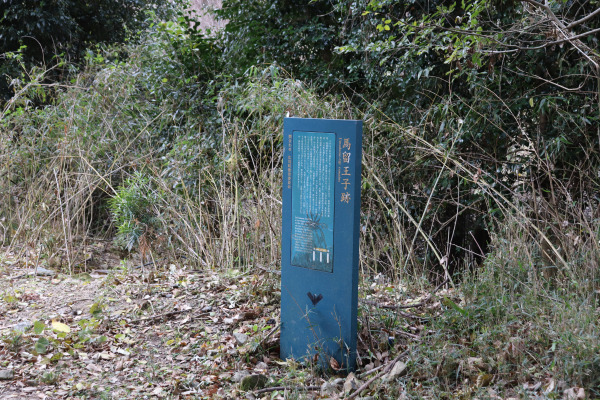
<point>319,250</point>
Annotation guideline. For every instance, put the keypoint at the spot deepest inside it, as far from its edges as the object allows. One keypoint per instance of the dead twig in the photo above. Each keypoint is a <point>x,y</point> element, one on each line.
<point>401,307</point>
<point>299,388</point>
<point>31,274</point>
<point>408,334</point>
<point>269,335</point>
<point>369,372</point>
<point>159,316</point>
<point>387,369</point>
<point>272,271</point>
<point>8,326</point>
<point>153,262</point>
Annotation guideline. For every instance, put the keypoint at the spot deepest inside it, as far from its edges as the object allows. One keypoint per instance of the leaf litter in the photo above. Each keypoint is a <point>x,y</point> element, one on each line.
<point>171,331</point>
<point>163,332</point>
<point>167,332</point>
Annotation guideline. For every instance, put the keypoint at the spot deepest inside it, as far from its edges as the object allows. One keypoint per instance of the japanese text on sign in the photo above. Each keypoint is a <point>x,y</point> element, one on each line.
<point>313,191</point>
<point>344,163</point>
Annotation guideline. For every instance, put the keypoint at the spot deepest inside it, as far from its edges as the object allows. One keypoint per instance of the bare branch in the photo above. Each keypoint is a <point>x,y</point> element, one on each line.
<point>387,368</point>
<point>519,72</point>
<point>585,50</point>
<point>299,388</point>
<point>584,19</point>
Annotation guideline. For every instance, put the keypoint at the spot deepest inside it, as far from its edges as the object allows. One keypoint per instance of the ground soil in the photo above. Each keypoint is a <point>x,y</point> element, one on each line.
<point>158,331</point>
<point>108,327</point>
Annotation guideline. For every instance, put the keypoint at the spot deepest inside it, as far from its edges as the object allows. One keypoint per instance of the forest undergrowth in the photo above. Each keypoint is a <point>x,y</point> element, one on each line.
<point>177,170</point>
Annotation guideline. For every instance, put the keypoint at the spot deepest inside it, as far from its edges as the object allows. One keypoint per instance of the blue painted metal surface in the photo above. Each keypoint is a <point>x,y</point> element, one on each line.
<point>319,266</point>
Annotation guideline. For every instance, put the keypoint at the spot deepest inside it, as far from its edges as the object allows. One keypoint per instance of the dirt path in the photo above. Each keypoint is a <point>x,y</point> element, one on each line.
<point>161,332</point>
<point>120,331</point>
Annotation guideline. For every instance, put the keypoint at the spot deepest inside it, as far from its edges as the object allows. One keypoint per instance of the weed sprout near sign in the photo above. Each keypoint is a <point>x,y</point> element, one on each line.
<point>321,211</point>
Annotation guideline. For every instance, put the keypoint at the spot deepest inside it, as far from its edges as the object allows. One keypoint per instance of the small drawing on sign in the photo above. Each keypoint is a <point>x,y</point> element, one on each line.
<point>314,299</point>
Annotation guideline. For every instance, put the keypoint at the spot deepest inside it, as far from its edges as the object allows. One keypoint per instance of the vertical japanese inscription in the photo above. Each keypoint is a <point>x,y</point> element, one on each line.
<point>313,192</point>
<point>344,162</point>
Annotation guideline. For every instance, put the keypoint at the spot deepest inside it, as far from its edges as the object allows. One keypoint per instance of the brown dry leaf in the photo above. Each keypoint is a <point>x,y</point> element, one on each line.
<point>514,348</point>
<point>549,387</point>
<point>474,366</point>
<point>106,355</point>
<point>574,393</point>
<point>334,364</point>
<point>398,369</point>
<point>484,380</point>
<point>532,386</point>
<point>351,383</point>
<point>93,368</point>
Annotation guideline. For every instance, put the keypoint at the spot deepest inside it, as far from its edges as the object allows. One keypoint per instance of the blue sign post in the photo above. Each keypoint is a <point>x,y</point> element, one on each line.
<point>319,250</point>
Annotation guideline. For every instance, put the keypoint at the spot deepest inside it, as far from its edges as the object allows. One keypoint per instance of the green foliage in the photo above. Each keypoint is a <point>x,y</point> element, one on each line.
<point>38,327</point>
<point>41,345</point>
<point>473,88</point>
<point>50,377</point>
<point>522,326</point>
<point>87,333</point>
<point>112,113</point>
<point>42,30</point>
<point>300,36</point>
<point>132,210</point>
<point>179,139</point>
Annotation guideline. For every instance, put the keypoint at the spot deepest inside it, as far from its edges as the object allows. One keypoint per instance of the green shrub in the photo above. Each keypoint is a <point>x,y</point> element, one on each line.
<point>132,209</point>
<point>42,30</point>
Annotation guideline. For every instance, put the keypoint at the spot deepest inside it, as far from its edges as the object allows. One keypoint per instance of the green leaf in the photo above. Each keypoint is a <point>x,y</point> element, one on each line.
<point>449,303</point>
<point>96,308</point>
<point>531,101</point>
<point>41,346</point>
<point>38,327</point>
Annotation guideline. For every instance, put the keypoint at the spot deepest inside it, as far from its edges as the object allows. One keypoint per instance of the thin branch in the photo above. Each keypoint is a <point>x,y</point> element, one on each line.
<point>269,335</point>
<point>299,388</point>
<point>519,72</point>
<point>398,307</point>
<point>584,19</point>
<point>400,313</point>
<point>379,375</point>
<point>568,39</point>
<point>408,334</point>
<point>158,316</point>
<point>411,219</point>
<point>568,36</point>
<point>540,5</point>
<point>514,48</point>
<point>369,372</point>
